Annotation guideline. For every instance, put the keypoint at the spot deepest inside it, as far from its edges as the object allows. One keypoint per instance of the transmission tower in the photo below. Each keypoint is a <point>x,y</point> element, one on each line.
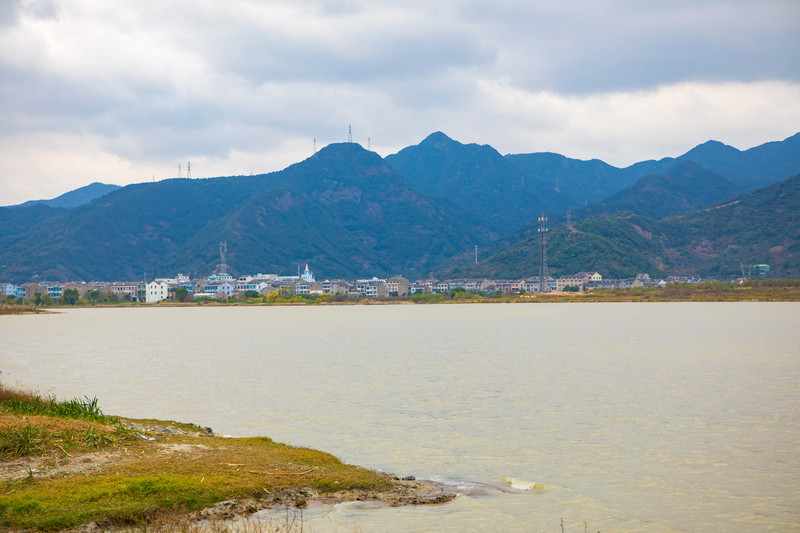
<point>180,172</point>
<point>569,218</point>
<point>543,242</point>
<point>369,143</point>
<point>476,254</point>
<point>223,248</point>
<point>749,270</point>
<point>315,145</point>
<point>189,169</point>
<point>349,133</point>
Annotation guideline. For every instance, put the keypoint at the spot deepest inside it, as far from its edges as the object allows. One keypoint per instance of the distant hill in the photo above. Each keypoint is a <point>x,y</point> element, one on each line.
<point>579,182</point>
<point>77,197</point>
<point>759,227</point>
<point>685,187</point>
<point>343,210</point>
<point>748,169</point>
<point>350,213</point>
<point>509,191</point>
<point>476,178</point>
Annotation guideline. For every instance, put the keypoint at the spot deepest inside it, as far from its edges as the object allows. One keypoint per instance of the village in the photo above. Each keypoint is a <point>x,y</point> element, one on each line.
<point>223,286</point>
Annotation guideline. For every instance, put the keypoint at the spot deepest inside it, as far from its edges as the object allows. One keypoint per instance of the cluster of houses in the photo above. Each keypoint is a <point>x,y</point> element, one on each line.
<point>224,286</point>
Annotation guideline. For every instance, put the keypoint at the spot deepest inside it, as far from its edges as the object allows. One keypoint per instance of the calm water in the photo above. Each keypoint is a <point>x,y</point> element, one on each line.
<point>631,417</point>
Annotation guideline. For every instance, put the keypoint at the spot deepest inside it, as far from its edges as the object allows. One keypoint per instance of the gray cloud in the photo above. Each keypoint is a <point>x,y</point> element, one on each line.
<point>140,85</point>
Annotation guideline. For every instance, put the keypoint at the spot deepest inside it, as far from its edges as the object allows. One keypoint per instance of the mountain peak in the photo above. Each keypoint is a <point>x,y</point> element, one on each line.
<point>438,140</point>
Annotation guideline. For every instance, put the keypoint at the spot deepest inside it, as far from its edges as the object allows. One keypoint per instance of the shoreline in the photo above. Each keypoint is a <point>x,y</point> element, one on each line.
<point>703,292</point>
<point>150,471</point>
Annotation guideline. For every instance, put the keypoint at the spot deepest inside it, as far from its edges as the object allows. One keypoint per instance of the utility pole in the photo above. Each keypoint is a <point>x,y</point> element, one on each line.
<point>543,243</point>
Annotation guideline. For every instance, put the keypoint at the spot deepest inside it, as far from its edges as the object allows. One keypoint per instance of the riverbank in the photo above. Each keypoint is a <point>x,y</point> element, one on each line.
<point>20,310</point>
<point>67,468</point>
<point>712,291</point>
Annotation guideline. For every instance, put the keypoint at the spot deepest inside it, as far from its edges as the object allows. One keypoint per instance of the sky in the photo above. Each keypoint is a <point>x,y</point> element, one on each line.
<point>126,91</point>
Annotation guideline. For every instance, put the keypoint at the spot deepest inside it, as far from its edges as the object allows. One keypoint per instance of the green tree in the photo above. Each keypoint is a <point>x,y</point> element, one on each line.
<point>182,294</point>
<point>69,297</point>
<point>93,297</point>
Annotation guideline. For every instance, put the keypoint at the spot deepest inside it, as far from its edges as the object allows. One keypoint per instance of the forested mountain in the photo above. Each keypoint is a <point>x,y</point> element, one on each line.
<point>350,213</point>
<point>759,227</point>
<point>77,197</point>
<point>748,169</point>
<point>509,191</point>
<point>685,187</point>
<point>476,178</point>
<point>343,210</point>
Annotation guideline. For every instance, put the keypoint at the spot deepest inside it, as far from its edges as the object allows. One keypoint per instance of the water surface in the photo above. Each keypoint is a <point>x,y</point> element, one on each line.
<point>631,417</point>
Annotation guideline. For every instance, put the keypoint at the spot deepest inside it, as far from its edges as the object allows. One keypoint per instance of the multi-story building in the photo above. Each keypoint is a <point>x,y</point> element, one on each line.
<point>155,291</point>
<point>397,285</point>
<point>570,281</point>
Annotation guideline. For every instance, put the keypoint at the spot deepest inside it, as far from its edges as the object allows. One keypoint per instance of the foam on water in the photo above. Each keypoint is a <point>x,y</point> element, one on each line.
<point>521,484</point>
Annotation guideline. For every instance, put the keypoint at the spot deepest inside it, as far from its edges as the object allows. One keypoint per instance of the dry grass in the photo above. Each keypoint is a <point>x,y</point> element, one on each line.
<point>80,471</point>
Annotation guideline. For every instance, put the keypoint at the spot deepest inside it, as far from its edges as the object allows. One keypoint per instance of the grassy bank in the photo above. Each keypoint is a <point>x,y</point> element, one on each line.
<point>64,464</point>
<point>14,309</point>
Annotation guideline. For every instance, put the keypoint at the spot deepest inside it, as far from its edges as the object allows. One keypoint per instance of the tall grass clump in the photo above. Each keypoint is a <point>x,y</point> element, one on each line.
<point>28,403</point>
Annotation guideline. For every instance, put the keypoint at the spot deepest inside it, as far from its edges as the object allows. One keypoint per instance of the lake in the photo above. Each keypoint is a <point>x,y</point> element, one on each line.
<point>626,417</point>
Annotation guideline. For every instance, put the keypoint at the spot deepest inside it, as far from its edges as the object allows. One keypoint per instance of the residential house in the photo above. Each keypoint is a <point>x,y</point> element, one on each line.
<point>509,286</point>
<point>155,291</point>
<point>315,289</point>
<point>397,285</point>
<point>337,286</point>
<point>570,281</point>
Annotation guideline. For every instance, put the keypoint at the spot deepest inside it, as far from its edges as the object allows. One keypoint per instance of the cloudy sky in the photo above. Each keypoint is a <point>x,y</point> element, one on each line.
<point>125,91</point>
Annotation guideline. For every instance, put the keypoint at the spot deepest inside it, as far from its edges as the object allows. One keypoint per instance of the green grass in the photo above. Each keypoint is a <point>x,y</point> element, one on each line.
<point>144,481</point>
<point>26,403</point>
<point>149,483</point>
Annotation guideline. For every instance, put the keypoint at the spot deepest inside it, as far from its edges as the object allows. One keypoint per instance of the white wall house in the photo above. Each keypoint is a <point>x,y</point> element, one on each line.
<point>155,291</point>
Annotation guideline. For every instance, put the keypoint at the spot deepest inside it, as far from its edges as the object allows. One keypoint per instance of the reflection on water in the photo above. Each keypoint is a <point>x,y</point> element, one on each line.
<point>636,417</point>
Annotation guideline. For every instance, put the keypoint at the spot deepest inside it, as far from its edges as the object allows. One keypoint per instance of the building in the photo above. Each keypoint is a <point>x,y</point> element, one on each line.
<point>125,290</point>
<point>760,270</point>
<point>336,286</point>
<point>373,289</point>
<point>570,281</point>
<point>156,291</point>
<point>397,285</point>
<point>509,286</point>
<point>307,276</point>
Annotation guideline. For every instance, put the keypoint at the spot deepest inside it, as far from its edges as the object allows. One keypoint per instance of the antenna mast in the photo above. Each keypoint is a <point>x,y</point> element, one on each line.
<point>189,169</point>
<point>543,242</point>
<point>223,248</point>
<point>349,133</point>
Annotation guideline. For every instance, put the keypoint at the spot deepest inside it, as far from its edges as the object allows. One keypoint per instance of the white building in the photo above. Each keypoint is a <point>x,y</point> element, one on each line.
<point>155,291</point>
<point>307,276</point>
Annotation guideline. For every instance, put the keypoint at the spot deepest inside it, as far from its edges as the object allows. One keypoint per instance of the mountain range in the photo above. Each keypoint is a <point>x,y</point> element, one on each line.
<point>350,213</point>
<point>762,226</point>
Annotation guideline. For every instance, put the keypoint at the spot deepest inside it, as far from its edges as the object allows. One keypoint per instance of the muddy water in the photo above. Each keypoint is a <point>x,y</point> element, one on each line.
<point>625,417</point>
